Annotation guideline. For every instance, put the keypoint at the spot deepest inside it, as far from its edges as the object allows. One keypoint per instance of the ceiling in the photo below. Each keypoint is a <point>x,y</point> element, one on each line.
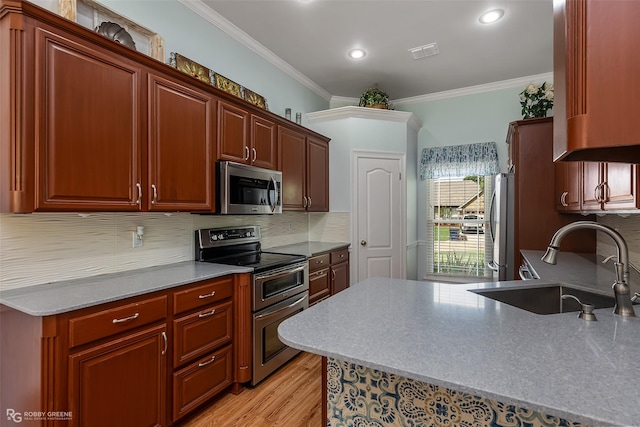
<point>314,36</point>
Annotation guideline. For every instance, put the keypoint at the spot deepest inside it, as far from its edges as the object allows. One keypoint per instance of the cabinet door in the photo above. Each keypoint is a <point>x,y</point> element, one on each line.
<point>181,134</point>
<point>88,137</point>
<point>317,175</point>
<point>620,191</point>
<point>591,186</point>
<point>568,186</point>
<point>292,154</point>
<point>339,277</point>
<point>263,143</point>
<point>120,383</point>
<point>233,141</point>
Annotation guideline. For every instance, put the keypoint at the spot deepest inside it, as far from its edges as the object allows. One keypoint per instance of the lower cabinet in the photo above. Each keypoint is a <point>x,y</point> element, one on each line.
<point>328,274</point>
<point>148,360</point>
<point>121,382</point>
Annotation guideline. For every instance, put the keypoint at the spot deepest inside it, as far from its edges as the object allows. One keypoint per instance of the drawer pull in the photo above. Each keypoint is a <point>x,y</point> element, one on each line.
<point>207,362</point>
<point>126,319</point>
<point>207,295</point>
<point>166,343</point>
<point>210,313</point>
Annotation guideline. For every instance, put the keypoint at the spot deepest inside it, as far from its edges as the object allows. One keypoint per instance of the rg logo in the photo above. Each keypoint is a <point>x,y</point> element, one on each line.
<point>14,416</point>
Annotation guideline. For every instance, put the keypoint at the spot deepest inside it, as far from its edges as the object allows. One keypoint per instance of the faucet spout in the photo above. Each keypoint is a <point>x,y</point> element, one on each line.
<point>621,289</point>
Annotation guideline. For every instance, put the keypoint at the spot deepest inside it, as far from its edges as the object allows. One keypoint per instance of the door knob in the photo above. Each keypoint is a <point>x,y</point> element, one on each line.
<point>363,242</point>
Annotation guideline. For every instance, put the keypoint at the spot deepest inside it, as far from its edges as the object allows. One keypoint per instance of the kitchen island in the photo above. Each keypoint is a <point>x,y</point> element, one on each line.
<point>438,354</point>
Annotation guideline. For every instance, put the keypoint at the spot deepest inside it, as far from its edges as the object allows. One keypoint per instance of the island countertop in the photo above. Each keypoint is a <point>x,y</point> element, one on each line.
<point>445,335</point>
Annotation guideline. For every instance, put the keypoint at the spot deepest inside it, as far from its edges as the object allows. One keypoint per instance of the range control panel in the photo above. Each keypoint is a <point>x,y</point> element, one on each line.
<point>213,237</point>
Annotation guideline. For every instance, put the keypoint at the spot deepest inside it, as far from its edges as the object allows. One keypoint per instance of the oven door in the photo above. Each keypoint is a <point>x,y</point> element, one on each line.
<point>273,286</point>
<point>269,353</point>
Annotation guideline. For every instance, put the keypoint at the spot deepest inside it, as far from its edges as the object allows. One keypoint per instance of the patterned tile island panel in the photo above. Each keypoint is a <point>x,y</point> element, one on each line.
<point>364,397</point>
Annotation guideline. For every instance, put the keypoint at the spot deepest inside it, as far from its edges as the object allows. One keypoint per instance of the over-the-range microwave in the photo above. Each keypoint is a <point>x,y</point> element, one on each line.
<point>244,189</point>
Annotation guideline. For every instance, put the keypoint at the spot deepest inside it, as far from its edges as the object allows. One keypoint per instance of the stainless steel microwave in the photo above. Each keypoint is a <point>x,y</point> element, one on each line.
<point>243,189</point>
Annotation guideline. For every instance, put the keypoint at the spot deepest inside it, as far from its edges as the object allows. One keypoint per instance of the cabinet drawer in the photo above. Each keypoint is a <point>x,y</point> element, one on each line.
<point>102,324</point>
<point>201,332</point>
<point>319,285</point>
<point>318,262</point>
<point>201,380</point>
<point>202,295</point>
<point>339,256</point>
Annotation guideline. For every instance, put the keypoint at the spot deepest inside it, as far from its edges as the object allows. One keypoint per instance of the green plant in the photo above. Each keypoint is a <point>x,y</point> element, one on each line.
<point>536,100</point>
<point>374,96</point>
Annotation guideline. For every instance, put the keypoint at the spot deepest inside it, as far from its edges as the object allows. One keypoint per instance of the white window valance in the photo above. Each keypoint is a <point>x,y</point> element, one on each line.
<point>459,160</point>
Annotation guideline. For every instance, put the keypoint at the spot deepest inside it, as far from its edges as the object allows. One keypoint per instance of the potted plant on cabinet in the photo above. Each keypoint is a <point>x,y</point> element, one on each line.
<point>375,98</point>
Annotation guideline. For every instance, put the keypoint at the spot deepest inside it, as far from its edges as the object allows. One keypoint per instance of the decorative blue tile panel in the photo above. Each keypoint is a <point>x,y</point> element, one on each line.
<point>364,397</point>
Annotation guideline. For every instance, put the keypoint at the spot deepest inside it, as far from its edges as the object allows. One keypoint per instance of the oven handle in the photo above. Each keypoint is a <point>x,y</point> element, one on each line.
<point>280,273</point>
<point>262,316</point>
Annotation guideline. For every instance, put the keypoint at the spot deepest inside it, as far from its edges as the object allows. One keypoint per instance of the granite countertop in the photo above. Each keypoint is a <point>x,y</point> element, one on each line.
<point>445,335</point>
<point>60,297</point>
<point>309,248</point>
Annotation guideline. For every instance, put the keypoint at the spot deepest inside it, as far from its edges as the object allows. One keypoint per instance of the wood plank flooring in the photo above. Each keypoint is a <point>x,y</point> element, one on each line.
<point>291,397</point>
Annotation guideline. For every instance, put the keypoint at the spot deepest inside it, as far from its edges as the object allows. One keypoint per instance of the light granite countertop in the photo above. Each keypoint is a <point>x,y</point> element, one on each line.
<point>448,336</point>
<point>309,248</point>
<point>60,297</point>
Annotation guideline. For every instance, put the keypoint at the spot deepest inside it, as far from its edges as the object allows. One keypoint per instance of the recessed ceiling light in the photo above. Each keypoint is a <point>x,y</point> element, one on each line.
<point>357,53</point>
<point>491,16</point>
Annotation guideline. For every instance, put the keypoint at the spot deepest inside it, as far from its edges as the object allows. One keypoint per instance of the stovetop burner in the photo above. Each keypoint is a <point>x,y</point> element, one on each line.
<point>239,246</point>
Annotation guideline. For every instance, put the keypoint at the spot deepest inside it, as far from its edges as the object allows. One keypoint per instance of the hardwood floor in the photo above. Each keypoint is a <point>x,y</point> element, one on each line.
<point>291,397</point>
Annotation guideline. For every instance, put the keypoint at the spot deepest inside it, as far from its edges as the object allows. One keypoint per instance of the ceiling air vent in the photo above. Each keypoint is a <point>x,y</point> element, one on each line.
<point>424,51</point>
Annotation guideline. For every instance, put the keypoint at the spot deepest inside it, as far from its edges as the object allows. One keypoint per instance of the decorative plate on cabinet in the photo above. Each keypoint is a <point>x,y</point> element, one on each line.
<point>190,67</point>
<point>227,85</point>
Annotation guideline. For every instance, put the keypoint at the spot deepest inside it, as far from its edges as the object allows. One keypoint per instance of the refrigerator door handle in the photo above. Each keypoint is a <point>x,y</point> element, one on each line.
<point>492,219</point>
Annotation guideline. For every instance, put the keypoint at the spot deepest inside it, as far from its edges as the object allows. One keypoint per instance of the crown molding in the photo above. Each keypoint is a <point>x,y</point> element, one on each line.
<point>471,90</point>
<point>237,34</point>
<point>350,112</point>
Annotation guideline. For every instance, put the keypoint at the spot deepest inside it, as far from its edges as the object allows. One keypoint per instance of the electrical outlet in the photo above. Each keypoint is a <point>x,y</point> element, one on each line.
<point>137,241</point>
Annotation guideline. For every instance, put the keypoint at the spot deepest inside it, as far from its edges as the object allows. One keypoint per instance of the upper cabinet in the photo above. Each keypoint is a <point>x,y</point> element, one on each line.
<point>596,65</point>
<point>181,144</point>
<point>89,140</point>
<point>88,124</point>
<point>304,161</point>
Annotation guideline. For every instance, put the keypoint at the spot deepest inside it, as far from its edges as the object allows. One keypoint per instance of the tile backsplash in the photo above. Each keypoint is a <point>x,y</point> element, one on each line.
<point>41,248</point>
<point>629,227</point>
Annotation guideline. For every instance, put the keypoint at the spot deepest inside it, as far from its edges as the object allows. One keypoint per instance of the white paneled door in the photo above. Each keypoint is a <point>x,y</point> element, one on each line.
<point>380,215</point>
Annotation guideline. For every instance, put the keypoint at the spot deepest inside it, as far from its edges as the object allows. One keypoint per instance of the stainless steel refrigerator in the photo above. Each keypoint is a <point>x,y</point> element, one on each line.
<point>502,226</point>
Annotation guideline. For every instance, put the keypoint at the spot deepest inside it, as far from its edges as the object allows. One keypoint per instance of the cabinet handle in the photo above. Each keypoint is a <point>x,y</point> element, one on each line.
<point>139,187</point>
<point>606,193</point>
<point>321,261</point>
<point>596,193</point>
<point>207,362</point>
<point>563,199</point>
<point>166,343</point>
<point>155,194</point>
<point>333,275</point>
<point>207,314</point>
<point>207,295</point>
<point>126,319</point>
<point>255,155</point>
<point>309,205</point>
<point>246,150</point>
<point>304,201</point>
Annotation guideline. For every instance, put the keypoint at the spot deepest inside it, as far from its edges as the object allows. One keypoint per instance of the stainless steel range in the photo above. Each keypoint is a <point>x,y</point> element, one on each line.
<point>280,288</point>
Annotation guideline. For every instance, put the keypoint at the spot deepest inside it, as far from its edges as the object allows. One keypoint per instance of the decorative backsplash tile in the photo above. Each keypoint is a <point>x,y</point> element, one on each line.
<point>629,227</point>
<point>42,248</point>
<point>361,396</point>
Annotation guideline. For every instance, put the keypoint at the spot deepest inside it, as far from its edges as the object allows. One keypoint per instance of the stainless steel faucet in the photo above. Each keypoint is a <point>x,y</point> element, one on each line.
<point>621,290</point>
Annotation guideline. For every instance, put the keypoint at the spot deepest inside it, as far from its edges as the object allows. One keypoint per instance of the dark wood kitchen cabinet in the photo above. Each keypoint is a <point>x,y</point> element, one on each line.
<point>596,63</point>
<point>147,360</point>
<point>181,146</point>
<point>339,270</point>
<point>536,218</point>
<point>89,140</point>
<point>304,161</point>
<point>609,186</point>
<point>89,124</point>
<point>568,186</point>
<point>319,279</point>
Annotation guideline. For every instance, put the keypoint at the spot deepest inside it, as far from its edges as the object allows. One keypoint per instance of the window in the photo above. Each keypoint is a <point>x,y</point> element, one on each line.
<point>458,237</point>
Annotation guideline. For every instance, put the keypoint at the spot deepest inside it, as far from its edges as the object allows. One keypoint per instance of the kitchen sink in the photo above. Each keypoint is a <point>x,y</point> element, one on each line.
<point>546,299</point>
